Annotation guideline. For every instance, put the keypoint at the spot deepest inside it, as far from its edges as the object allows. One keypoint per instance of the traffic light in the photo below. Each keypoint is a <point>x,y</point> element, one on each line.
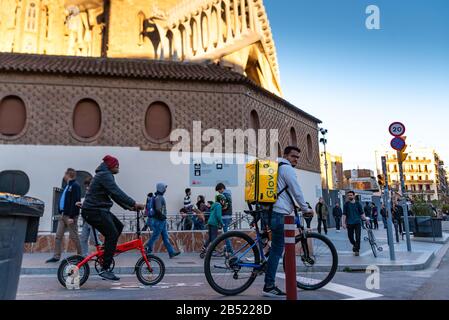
<point>381,181</point>
<point>402,156</point>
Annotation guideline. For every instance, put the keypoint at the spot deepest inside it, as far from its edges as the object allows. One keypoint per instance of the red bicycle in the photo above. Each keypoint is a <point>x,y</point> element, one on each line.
<point>149,269</point>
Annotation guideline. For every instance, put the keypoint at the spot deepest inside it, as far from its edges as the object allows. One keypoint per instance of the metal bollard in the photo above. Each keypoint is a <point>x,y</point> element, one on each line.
<point>290,258</point>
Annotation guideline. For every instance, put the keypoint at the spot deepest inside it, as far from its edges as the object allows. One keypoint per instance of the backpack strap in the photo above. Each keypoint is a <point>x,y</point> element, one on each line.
<point>285,189</point>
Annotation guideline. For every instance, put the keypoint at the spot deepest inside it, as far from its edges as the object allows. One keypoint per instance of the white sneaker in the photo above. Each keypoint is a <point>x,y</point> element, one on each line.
<point>274,292</point>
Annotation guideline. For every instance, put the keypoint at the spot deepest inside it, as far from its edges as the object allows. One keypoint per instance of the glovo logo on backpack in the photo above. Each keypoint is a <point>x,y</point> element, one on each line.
<point>261,181</point>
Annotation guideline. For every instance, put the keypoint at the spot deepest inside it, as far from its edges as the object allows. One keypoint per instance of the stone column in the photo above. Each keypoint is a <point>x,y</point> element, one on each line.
<point>229,35</point>
<point>251,14</point>
<point>243,8</point>
<point>236,19</point>
<point>219,26</point>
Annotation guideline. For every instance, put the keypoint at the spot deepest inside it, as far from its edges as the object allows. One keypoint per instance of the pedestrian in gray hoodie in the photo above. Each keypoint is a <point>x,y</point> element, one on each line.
<point>159,222</point>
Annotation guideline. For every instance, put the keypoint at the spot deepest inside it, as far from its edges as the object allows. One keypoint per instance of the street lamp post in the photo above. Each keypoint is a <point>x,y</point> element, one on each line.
<point>323,140</point>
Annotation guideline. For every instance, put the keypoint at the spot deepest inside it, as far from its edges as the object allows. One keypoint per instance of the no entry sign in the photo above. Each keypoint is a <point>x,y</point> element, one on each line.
<point>397,143</point>
<point>397,129</point>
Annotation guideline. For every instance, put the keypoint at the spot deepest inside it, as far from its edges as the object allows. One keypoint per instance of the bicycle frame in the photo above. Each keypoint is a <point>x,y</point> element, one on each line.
<point>136,244</point>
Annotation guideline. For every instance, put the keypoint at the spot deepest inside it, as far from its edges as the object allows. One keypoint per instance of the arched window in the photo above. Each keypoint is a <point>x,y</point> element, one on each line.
<point>293,139</point>
<point>158,121</point>
<point>86,119</point>
<point>15,182</point>
<point>12,116</point>
<point>254,122</point>
<point>309,148</point>
<point>31,17</point>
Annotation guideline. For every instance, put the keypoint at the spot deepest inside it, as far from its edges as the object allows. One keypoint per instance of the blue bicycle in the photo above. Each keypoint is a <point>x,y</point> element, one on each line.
<point>243,257</point>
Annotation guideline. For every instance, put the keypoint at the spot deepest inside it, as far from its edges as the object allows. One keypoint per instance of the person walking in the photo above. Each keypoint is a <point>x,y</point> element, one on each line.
<point>352,221</point>
<point>160,222</point>
<point>322,213</point>
<point>87,232</point>
<point>287,183</point>
<point>96,210</point>
<point>375,216</point>
<point>215,221</point>
<point>227,210</point>
<point>337,213</point>
<point>69,213</point>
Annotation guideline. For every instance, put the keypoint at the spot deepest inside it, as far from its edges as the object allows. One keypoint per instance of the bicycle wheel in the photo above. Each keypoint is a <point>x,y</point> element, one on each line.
<point>66,271</point>
<point>316,262</point>
<point>222,263</point>
<point>372,242</point>
<point>147,277</point>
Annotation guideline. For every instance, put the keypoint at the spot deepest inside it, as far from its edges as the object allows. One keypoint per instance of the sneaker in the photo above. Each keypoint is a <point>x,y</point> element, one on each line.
<point>356,253</point>
<point>53,259</point>
<point>174,254</point>
<point>273,292</point>
<point>108,275</point>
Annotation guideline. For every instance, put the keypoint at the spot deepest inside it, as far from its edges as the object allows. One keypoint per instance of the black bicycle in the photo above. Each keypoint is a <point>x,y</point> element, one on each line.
<point>368,226</point>
<point>242,258</point>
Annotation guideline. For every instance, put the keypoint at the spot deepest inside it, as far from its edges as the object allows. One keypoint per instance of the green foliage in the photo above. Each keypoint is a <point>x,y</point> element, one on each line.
<point>422,209</point>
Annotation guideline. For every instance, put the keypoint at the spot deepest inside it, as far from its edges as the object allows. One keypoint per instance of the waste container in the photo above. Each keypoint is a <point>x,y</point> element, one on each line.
<point>19,223</point>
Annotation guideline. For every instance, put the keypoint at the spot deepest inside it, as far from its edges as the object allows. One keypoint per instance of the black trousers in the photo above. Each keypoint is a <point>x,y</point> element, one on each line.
<point>324,222</point>
<point>337,222</point>
<point>355,230</point>
<point>110,227</point>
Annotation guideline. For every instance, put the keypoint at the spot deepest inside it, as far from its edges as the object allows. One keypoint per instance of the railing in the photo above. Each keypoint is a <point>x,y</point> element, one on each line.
<point>176,222</point>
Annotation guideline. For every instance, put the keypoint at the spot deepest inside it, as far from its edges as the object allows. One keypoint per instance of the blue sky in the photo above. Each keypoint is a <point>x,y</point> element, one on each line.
<point>358,81</point>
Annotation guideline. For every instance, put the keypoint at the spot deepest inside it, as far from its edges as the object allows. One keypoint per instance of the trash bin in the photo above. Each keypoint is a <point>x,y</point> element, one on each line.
<point>19,223</point>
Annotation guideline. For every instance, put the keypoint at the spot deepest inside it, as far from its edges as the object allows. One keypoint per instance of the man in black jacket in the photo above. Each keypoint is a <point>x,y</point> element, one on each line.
<point>69,214</point>
<point>337,213</point>
<point>97,206</point>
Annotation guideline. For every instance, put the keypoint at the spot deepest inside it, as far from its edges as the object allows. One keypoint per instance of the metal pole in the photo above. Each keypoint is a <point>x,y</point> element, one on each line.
<point>403,203</point>
<point>388,209</point>
<point>290,258</point>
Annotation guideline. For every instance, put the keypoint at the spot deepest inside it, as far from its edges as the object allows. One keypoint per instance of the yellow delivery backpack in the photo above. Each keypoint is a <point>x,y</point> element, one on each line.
<point>261,182</point>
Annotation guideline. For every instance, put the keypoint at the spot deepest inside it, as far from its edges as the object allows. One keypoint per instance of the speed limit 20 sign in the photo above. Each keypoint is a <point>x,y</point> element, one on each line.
<point>397,129</point>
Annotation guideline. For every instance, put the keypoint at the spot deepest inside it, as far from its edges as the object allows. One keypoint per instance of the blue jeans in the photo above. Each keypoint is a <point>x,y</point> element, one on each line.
<point>226,222</point>
<point>87,232</point>
<point>160,228</point>
<point>277,246</point>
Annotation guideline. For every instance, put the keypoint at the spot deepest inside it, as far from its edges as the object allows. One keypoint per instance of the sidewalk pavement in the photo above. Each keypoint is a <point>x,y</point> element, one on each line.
<point>423,252</point>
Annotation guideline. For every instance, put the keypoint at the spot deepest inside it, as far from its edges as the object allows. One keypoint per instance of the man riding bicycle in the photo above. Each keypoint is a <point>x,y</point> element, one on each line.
<point>289,190</point>
<point>97,205</point>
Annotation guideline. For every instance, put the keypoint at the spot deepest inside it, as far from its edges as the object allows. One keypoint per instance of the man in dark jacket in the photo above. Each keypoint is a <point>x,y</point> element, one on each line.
<point>159,222</point>
<point>352,220</point>
<point>322,213</point>
<point>337,213</point>
<point>97,206</point>
<point>69,214</point>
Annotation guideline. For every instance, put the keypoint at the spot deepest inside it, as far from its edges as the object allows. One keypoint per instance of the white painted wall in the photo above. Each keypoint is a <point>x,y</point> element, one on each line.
<point>139,173</point>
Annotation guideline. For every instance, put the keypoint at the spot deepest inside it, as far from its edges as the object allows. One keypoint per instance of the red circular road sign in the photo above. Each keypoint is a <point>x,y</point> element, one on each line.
<point>397,143</point>
<point>397,129</point>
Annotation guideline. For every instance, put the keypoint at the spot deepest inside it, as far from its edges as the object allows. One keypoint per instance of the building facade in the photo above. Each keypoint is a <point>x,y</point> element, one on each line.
<point>425,176</point>
<point>234,33</point>
<point>334,171</point>
<point>360,179</point>
<point>59,112</point>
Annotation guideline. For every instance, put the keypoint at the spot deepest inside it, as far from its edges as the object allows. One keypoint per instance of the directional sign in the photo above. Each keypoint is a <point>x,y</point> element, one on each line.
<point>397,143</point>
<point>397,129</point>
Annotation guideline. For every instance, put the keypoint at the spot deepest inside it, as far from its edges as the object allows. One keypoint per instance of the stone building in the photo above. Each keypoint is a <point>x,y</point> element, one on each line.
<point>235,33</point>
<point>82,79</point>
